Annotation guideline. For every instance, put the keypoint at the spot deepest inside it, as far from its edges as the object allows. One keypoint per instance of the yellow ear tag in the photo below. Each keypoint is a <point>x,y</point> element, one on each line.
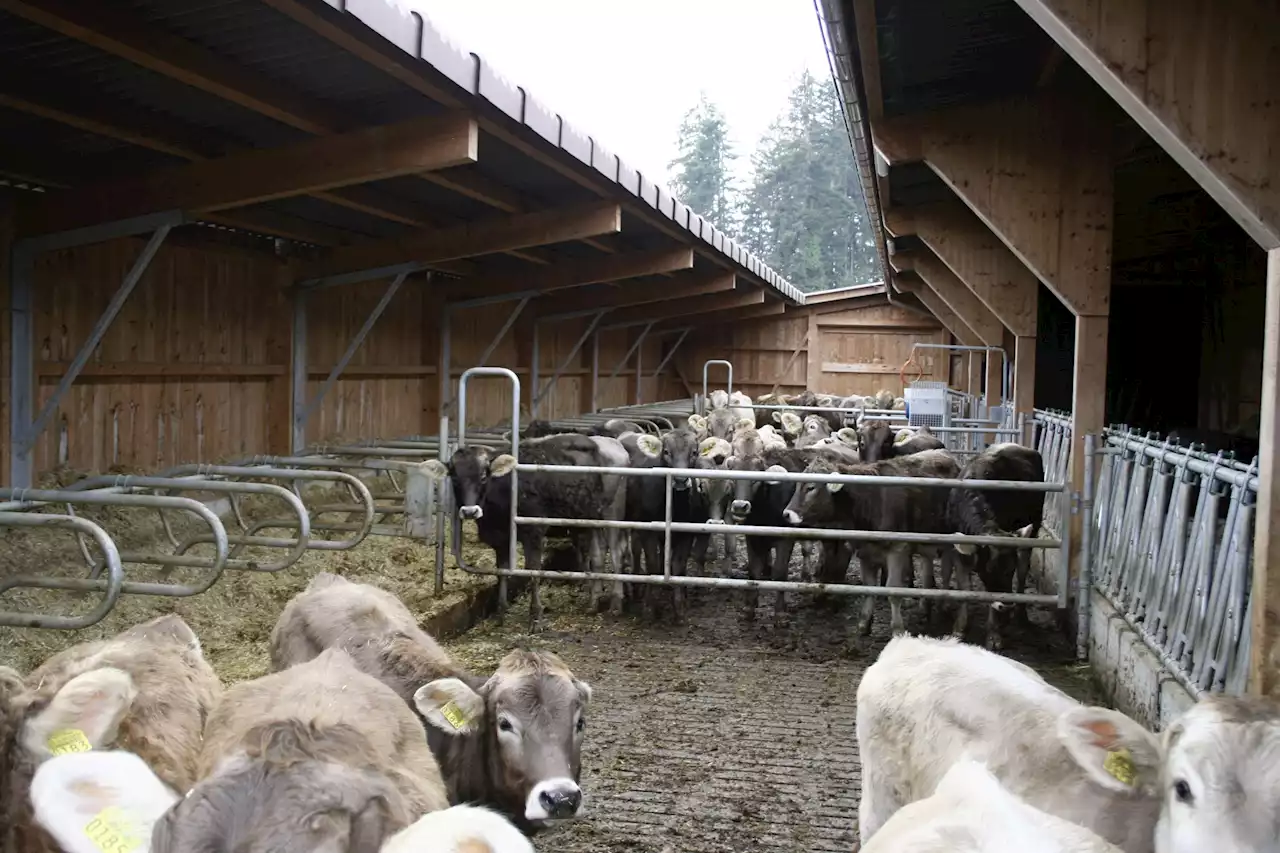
<point>66,741</point>
<point>1119,763</point>
<point>454,715</point>
<point>111,831</point>
<point>706,451</point>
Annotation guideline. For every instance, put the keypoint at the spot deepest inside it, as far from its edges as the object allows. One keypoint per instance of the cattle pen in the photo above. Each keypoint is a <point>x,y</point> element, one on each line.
<point>268,264</point>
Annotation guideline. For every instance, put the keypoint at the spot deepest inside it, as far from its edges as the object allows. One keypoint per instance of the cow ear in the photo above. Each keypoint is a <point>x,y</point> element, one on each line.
<point>650,445</point>
<point>502,466</point>
<point>791,423</point>
<point>708,445</point>
<point>83,715</point>
<point>697,421</point>
<point>967,550</point>
<point>1116,752</point>
<point>1027,532</point>
<point>777,416</point>
<point>847,436</point>
<point>745,423</point>
<point>584,690</point>
<point>450,705</point>
<point>79,798</point>
<point>834,487</point>
<point>435,469</point>
<point>903,435</point>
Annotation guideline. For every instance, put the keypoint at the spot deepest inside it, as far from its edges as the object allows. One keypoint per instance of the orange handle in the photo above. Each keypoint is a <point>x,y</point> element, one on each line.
<point>911,360</point>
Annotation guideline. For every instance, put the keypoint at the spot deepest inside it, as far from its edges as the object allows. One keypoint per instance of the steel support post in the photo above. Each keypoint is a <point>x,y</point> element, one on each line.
<point>573,353</point>
<point>640,362</point>
<point>595,371</point>
<point>25,430</point>
<point>502,333</point>
<point>298,364</point>
<point>310,407</point>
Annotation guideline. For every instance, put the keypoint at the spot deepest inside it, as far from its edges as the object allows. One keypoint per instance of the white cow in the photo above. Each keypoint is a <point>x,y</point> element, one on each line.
<point>971,812</point>
<point>1211,782</point>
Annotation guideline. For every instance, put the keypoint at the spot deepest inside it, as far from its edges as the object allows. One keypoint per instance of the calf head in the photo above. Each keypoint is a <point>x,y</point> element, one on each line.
<point>719,399</point>
<point>472,469</point>
<point>679,450</point>
<point>875,438</point>
<point>789,422</point>
<point>712,456</point>
<point>813,503</point>
<point>747,491</point>
<point>530,716</point>
<point>285,792</point>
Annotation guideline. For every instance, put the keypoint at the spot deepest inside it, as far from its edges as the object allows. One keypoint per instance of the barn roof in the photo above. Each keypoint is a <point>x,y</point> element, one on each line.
<point>133,86</point>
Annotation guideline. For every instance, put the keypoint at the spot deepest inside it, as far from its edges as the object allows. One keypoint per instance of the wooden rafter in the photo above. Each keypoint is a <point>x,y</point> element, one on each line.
<point>689,284</point>
<point>578,272</point>
<point>253,177</point>
<point>471,239</point>
<point>685,308</point>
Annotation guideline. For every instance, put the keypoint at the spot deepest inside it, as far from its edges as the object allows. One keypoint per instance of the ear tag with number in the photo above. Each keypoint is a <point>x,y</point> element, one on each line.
<point>1119,763</point>
<point>454,715</point>
<point>67,741</point>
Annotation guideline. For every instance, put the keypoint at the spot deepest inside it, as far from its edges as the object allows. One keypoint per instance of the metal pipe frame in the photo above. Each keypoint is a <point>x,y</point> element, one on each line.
<point>111,589</point>
<point>24,500</point>
<point>537,396</point>
<point>25,426</point>
<point>1004,364</point>
<point>706,366</point>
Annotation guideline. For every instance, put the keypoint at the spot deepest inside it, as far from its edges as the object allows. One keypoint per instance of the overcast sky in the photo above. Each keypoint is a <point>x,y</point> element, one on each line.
<point>626,71</point>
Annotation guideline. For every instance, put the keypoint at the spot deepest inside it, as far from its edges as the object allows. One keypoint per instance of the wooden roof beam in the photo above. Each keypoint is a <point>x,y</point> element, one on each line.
<point>566,274</point>
<point>1220,139</point>
<point>471,239</point>
<point>939,309</point>
<point>689,284</point>
<point>996,277</point>
<point>959,298</point>
<point>254,177</point>
<point>1035,170</point>
<point>685,308</point>
<point>771,309</point>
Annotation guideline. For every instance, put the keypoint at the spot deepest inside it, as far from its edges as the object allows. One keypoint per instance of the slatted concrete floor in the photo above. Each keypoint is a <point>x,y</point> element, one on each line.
<point>718,736</point>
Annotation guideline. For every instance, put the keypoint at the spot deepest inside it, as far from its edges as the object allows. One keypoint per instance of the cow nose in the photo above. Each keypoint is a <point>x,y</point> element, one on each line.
<point>471,511</point>
<point>740,508</point>
<point>791,516</point>
<point>561,802</point>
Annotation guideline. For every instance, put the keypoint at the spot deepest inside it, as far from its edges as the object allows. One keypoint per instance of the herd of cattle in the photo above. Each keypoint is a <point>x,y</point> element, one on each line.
<point>368,737</point>
<point>785,437</point>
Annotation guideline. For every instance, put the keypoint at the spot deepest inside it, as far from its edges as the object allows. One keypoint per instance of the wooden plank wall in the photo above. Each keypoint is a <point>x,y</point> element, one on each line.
<point>857,350</point>
<point>196,365</point>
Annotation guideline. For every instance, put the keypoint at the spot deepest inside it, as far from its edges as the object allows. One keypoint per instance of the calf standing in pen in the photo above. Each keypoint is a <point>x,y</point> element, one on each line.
<point>646,501</point>
<point>911,509</point>
<point>482,492</point>
<point>513,741</point>
<point>997,512</point>
<point>1209,783</point>
<point>147,690</point>
<point>879,441</point>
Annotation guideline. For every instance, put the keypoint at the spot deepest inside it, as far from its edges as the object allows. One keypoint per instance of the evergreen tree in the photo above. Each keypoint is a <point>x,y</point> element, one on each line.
<point>804,212</point>
<point>701,172</point>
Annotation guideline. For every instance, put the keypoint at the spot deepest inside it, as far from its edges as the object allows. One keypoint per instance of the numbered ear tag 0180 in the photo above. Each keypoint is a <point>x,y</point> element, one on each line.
<point>451,712</point>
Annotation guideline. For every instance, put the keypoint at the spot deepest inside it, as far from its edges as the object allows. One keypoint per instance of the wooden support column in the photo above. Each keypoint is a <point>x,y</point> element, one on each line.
<point>813,364</point>
<point>279,408</point>
<point>6,340</point>
<point>1024,375</point>
<point>1264,665</point>
<point>1037,171</point>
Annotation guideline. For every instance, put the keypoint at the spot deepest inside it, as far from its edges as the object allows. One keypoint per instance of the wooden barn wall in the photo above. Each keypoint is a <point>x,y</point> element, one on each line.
<point>194,368</point>
<point>858,350</point>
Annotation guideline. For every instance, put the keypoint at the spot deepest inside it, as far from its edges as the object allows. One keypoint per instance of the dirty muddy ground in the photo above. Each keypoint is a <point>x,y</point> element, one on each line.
<point>719,735</point>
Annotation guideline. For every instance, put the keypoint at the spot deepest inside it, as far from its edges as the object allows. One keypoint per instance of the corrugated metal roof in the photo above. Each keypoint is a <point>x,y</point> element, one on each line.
<point>346,91</point>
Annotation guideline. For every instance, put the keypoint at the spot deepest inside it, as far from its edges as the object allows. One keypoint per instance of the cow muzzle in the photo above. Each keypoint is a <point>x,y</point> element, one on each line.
<point>553,799</point>
<point>680,484</point>
<point>740,509</point>
<point>471,511</point>
<point>791,516</point>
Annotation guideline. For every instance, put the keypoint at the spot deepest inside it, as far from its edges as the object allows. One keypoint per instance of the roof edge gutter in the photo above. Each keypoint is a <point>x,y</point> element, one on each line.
<point>846,69</point>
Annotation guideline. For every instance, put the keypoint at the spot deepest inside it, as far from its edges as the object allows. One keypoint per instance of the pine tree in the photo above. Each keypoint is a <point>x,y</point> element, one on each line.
<point>804,212</point>
<point>701,172</point>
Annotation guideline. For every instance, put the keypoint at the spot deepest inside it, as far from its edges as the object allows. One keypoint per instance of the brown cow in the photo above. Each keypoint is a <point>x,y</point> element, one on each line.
<point>513,741</point>
<point>319,757</point>
<point>147,690</point>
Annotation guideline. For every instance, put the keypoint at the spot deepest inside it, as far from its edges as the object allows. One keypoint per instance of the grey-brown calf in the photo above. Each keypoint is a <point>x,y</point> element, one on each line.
<point>319,758</point>
<point>147,690</point>
<point>512,741</point>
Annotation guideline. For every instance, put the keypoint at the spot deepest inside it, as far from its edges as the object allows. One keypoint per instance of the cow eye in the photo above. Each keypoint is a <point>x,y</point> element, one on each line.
<point>1182,791</point>
<point>582,724</point>
<point>504,725</point>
